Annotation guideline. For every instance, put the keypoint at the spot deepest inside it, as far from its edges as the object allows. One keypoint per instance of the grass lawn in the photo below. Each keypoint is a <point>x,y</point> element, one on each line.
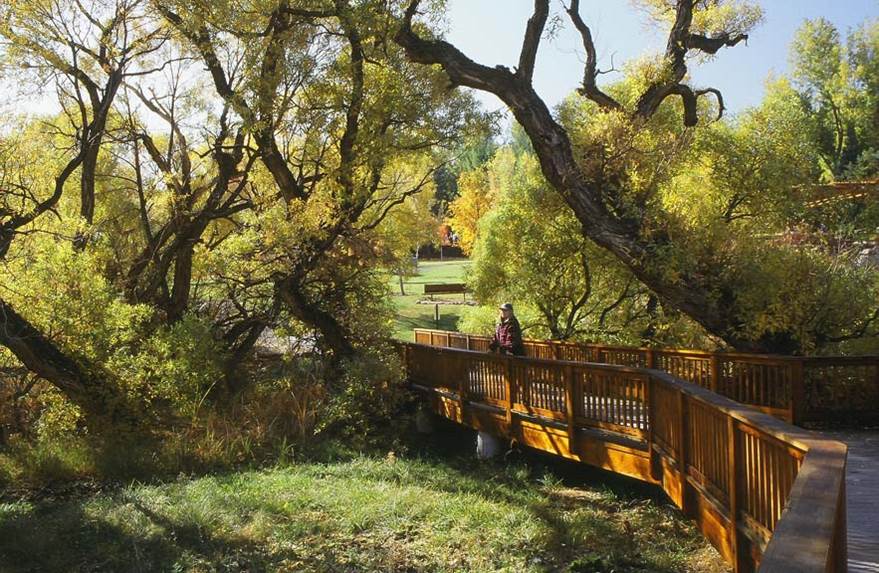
<point>411,315</point>
<point>426,512</point>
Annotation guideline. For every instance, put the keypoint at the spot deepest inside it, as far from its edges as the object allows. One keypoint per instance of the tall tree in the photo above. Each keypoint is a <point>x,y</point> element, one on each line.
<point>361,132</point>
<point>638,234</point>
<point>253,195</point>
<point>838,79</point>
<point>86,52</point>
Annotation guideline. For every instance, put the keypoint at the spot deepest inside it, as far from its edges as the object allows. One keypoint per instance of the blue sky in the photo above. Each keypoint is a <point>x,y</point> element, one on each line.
<point>490,31</point>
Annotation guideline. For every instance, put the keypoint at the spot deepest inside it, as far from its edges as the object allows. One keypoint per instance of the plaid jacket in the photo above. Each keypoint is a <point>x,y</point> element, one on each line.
<point>508,337</point>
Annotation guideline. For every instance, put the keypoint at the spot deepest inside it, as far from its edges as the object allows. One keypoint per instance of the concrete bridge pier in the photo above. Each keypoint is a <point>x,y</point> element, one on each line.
<point>488,446</point>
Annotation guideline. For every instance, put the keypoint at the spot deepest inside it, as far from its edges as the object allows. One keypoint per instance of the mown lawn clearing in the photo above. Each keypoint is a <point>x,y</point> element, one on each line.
<point>411,315</point>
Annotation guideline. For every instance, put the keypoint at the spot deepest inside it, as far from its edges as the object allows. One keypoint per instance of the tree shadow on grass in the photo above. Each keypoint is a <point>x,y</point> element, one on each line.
<point>448,321</point>
<point>69,537</point>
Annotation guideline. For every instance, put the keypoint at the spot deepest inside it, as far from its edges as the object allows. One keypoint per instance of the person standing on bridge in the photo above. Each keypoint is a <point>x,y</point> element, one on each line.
<point>508,334</point>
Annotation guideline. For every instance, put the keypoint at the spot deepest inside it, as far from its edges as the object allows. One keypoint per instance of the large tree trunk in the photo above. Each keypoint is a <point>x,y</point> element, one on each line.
<point>87,180</point>
<point>695,296</point>
<point>93,136</point>
<point>87,192</point>
<point>182,287</point>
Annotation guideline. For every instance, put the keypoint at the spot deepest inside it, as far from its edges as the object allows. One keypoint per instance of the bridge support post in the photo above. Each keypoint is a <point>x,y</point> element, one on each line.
<point>488,446</point>
<point>424,421</point>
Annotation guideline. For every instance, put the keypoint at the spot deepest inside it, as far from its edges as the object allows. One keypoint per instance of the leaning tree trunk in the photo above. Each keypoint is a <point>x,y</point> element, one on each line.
<point>83,386</point>
<point>331,330</point>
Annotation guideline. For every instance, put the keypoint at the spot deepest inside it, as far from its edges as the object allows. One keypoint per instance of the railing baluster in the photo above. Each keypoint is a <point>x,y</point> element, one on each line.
<point>733,495</point>
<point>462,395</point>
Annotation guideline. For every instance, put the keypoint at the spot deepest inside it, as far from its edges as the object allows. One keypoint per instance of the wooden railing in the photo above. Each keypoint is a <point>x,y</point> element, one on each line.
<point>765,493</point>
<point>796,389</point>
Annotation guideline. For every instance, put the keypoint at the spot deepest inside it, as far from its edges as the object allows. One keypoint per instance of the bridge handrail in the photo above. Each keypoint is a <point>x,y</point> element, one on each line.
<point>795,388</point>
<point>781,489</point>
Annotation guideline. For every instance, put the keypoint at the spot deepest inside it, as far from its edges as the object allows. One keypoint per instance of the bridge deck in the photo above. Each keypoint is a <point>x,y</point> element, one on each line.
<point>862,490</point>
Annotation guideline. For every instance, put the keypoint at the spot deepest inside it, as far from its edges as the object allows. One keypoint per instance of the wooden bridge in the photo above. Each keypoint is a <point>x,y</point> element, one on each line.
<point>766,493</point>
<point>797,389</point>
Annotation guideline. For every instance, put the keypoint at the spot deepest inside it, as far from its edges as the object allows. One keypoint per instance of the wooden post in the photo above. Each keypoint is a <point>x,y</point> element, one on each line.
<point>738,562</point>
<point>649,360</point>
<point>510,396</point>
<point>798,392</point>
<point>468,342</point>
<point>462,392</point>
<point>655,470</point>
<point>568,378</point>
<point>715,372</point>
<point>840,533</point>
<point>683,427</point>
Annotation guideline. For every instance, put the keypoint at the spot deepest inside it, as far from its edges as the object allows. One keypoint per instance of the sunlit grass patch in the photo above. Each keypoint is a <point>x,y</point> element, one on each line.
<point>364,514</point>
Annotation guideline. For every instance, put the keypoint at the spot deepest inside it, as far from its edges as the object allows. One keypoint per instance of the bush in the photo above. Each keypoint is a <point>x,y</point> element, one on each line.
<point>367,405</point>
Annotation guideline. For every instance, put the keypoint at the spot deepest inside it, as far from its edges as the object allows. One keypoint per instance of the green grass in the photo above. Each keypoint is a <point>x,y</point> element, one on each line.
<point>433,512</point>
<point>411,315</point>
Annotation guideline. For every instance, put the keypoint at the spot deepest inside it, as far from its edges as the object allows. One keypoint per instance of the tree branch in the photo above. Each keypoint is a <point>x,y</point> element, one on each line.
<point>680,42</point>
<point>271,156</point>
<point>590,89</point>
<point>713,45</point>
<point>461,70</point>
<point>531,42</point>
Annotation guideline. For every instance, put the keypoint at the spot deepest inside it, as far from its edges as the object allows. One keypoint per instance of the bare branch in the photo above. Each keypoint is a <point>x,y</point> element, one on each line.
<point>720,107</point>
<point>461,70</point>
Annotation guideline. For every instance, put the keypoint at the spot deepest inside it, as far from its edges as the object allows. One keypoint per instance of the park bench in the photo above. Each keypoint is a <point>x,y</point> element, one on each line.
<point>450,288</point>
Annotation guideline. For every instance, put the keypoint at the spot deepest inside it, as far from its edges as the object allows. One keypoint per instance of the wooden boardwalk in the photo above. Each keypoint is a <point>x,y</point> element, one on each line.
<point>765,493</point>
<point>862,490</point>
